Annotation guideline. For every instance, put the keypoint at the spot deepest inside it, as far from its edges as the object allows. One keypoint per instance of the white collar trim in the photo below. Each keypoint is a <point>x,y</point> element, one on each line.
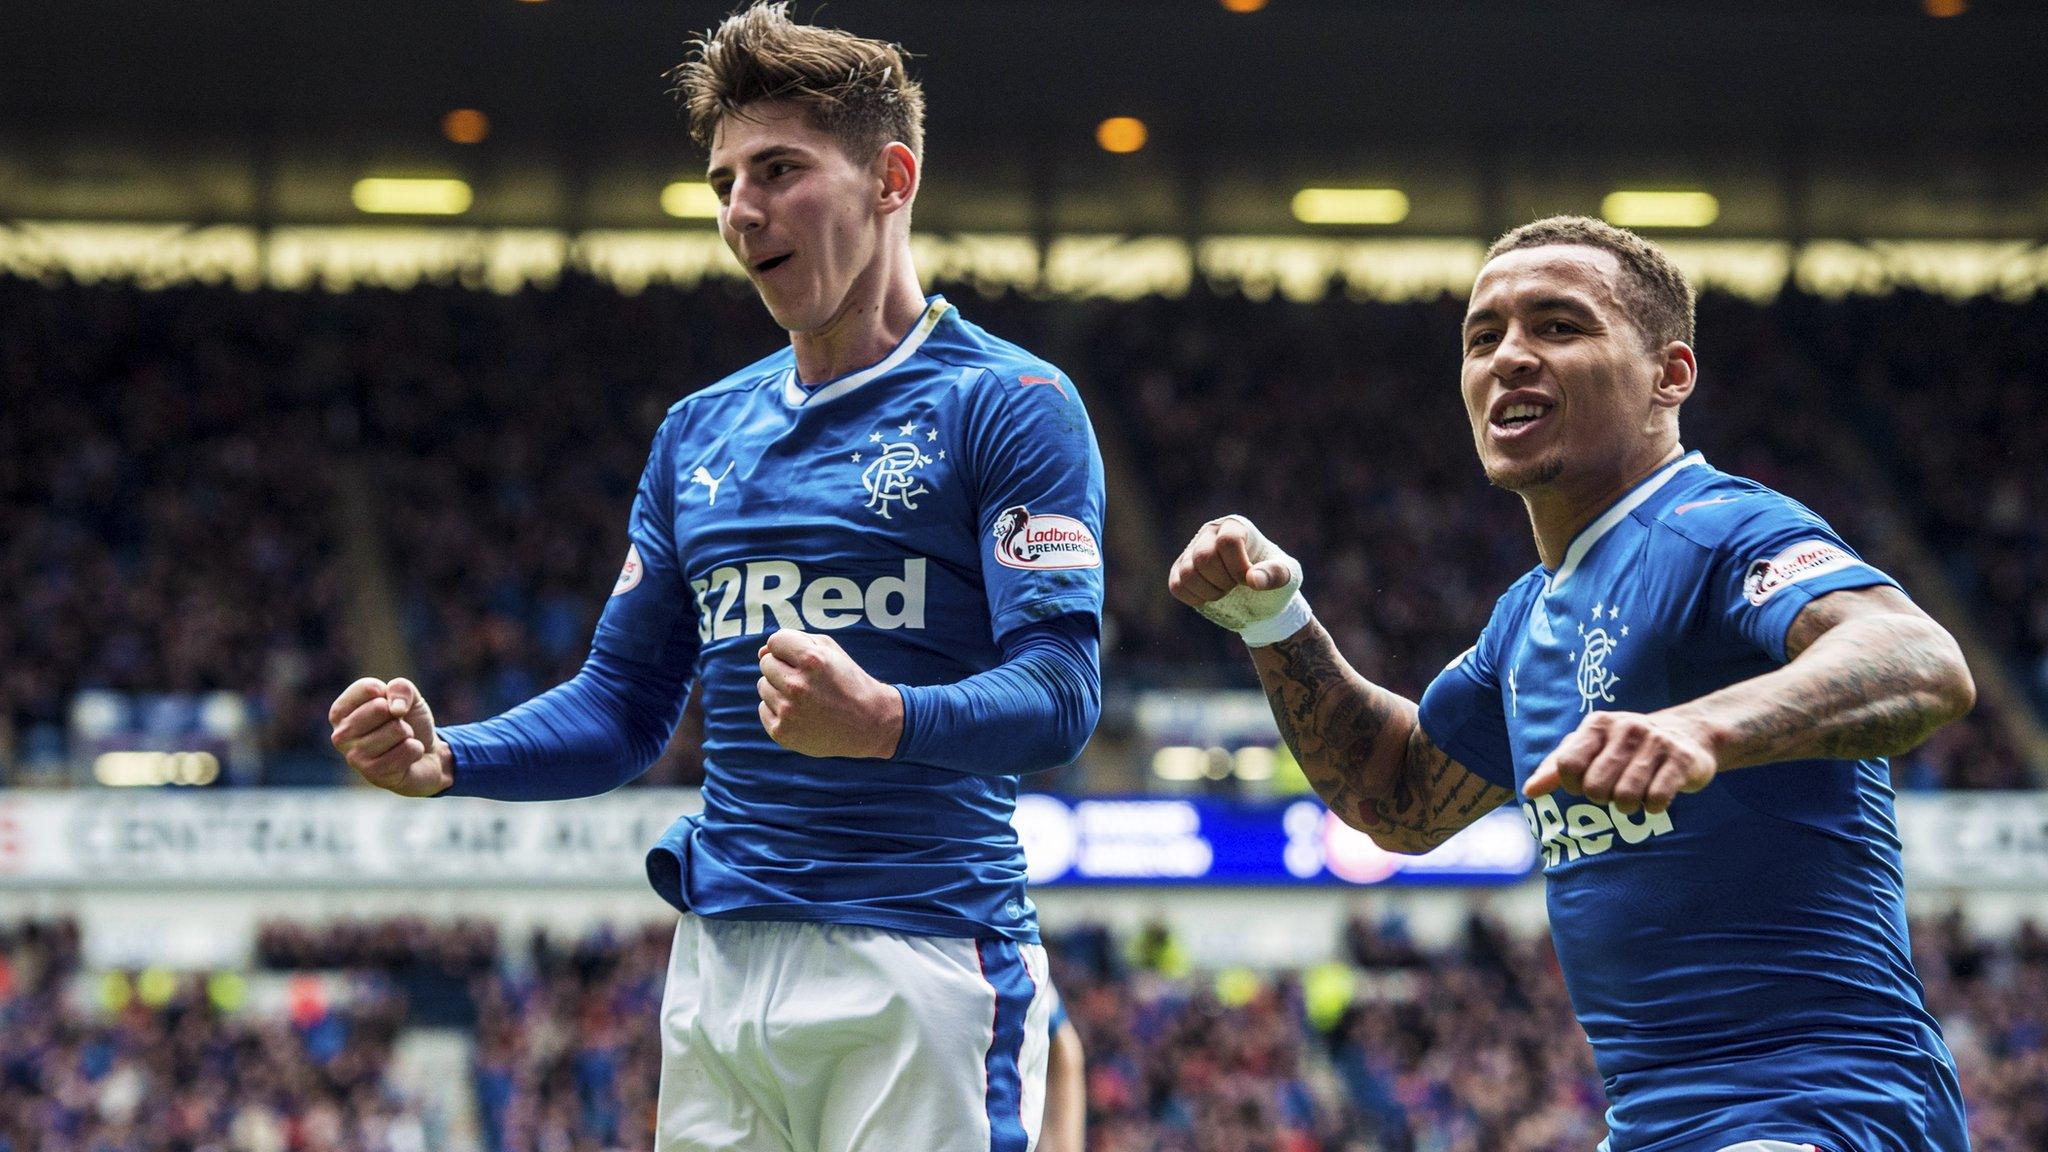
<point>796,396</point>
<point>1591,533</point>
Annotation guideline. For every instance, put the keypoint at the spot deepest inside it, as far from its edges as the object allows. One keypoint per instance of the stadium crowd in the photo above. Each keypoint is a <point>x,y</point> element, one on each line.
<point>164,523</point>
<point>1469,1048</point>
<point>168,464</point>
<point>82,1071</point>
<point>1950,393</point>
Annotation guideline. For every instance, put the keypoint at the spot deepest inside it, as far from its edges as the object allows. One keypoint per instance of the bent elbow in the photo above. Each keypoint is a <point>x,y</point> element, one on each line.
<point>1076,741</point>
<point>1960,691</point>
<point>1401,841</point>
<point>1954,687</point>
<point>1062,746</point>
<point>1078,709</point>
<point>1409,845</point>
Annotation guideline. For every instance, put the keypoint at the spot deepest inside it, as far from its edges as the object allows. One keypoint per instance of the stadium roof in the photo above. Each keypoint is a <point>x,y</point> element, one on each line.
<point>1822,117</point>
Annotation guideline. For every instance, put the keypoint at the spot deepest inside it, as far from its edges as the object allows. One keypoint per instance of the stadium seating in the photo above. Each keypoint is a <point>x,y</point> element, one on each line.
<point>164,521</point>
<point>167,511</point>
<point>1467,1047</point>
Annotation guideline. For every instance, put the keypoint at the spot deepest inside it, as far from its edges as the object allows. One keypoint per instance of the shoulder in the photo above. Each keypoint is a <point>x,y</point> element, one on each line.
<point>1509,611</point>
<point>1723,512</point>
<point>740,385</point>
<point>992,368</point>
<point>1520,593</point>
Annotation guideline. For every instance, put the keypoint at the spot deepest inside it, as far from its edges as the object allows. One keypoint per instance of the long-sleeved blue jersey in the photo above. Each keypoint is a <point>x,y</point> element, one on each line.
<point>939,514</point>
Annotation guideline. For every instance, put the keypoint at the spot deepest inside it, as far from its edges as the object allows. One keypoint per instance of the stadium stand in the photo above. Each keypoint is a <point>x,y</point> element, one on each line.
<point>164,520</point>
<point>1469,1047</point>
<point>167,511</point>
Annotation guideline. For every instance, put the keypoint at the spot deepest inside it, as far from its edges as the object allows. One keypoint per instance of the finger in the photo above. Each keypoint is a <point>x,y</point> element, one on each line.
<point>353,697</point>
<point>769,723</point>
<point>1268,574</point>
<point>1664,787</point>
<point>374,714</point>
<point>1633,785</point>
<point>1543,781</point>
<point>1235,555</point>
<point>1619,750</point>
<point>1195,589</point>
<point>789,643</point>
<point>404,694</point>
<point>392,765</point>
<point>1210,564</point>
<point>381,741</point>
<point>770,694</point>
<point>783,676</point>
<point>1574,753</point>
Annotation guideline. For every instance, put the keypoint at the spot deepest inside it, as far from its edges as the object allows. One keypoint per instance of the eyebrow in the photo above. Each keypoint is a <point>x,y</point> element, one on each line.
<point>772,152</point>
<point>1570,304</point>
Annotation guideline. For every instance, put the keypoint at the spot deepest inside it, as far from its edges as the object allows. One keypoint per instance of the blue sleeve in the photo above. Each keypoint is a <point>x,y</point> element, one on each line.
<point>1463,712</point>
<point>1032,712</point>
<point>610,721</point>
<point>1773,557</point>
<point>1037,476</point>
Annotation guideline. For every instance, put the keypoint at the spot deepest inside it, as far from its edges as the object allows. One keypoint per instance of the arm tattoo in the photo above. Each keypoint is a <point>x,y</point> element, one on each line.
<point>1868,691</point>
<point>1870,676</point>
<point>1364,752</point>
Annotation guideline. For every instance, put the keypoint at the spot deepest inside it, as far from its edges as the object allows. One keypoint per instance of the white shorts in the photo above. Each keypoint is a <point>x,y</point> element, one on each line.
<point>793,1037</point>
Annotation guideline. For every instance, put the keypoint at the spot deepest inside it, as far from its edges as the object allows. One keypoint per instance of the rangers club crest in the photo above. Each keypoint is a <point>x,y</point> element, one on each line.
<point>1595,682</point>
<point>892,466</point>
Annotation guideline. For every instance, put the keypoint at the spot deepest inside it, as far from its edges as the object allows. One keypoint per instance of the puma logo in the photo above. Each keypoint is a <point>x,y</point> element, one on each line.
<point>703,476</point>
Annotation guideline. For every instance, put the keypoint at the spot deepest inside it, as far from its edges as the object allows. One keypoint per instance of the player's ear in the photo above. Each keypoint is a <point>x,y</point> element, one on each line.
<point>1679,372</point>
<point>897,166</point>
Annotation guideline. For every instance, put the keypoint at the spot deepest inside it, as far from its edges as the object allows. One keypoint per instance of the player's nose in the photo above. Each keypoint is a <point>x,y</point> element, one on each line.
<point>743,212</point>
<point>1514,356</point>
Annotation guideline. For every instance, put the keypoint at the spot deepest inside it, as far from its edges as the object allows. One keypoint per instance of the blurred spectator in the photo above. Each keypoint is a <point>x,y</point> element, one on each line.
<point>1471,1048</point>
<point>168,523</point>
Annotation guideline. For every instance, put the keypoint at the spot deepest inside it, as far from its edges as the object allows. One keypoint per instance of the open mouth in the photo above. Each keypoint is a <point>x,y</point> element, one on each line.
<point>772,262</point>
<point>1514,419</point>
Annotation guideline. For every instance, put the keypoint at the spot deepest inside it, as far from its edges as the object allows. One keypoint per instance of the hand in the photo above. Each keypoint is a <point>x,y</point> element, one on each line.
<point>1237,578</point>
<point>1630,759</point>
<point>386,733</point>
<point>817,701</point>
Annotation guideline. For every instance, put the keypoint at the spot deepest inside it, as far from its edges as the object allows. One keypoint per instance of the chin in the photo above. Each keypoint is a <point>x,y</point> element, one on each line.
<point>1523,475</point>
<point>788,317</point>
<point>806,315</point>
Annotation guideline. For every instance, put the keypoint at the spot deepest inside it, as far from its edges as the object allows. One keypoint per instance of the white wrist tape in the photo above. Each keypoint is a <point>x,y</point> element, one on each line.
<point>1292,618</point>
<point>1262,616</point>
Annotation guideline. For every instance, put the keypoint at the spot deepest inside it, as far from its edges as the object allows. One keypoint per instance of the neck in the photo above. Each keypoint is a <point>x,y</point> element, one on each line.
<point>1560,510</point>
<point>885,301</point>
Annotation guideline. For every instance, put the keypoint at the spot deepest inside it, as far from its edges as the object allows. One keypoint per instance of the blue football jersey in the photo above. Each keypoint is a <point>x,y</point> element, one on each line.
<point>1739,962</point>
<point>916,511</point>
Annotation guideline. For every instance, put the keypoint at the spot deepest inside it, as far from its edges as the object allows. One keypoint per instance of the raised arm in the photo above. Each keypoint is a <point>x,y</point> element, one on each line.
<point>1033,711</point>
<point>1361,746</point>
<point>1868,674</point>
<point>1364,750</point>
<point>587,736</point>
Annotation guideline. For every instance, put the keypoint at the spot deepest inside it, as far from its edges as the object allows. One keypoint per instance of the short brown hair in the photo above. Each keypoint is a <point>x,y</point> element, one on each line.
<point>854,88</point>
<point>1657,296</point>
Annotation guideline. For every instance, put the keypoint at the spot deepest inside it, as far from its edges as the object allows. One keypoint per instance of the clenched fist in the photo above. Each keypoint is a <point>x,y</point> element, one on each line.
<point>817,701</point>
<point>1237,578</point>
<point>386,733</point>
<point>1637,761</point>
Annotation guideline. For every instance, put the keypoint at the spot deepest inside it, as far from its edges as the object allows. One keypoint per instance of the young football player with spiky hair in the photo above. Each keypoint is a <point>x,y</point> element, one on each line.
<point>877,550</point>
